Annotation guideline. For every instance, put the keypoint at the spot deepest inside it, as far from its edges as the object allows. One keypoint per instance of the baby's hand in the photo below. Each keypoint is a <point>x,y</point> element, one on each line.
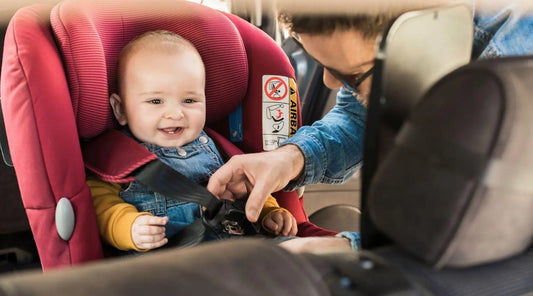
<point>148,232</point>
<point>280,223</point>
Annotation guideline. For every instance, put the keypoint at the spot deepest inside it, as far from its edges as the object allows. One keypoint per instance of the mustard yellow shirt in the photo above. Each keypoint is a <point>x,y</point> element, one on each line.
<point>115,217</point>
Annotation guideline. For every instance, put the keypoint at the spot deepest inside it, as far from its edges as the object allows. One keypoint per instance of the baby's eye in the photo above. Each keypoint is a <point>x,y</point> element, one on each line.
<point>188,101</point>
<point>156,101</point>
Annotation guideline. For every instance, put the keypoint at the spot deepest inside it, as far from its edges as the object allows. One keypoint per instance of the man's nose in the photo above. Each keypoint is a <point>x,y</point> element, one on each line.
<point>330,81</point>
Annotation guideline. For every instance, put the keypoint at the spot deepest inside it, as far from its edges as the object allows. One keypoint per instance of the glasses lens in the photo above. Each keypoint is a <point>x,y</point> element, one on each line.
<point>351,82</point>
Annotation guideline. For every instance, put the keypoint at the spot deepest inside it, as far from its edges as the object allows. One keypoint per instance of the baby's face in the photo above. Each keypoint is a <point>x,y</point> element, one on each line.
<point>163,96</point>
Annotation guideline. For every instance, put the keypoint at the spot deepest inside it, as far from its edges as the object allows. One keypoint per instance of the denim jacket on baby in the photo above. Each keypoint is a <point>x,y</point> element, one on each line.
<point>197,160</point>
<point>332,146</point>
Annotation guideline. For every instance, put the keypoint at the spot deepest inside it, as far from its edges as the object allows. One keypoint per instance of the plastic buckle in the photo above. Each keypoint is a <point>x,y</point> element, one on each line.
<point>231,219</point>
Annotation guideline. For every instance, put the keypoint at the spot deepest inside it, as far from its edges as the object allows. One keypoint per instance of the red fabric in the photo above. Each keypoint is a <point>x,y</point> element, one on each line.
<point>228,147</point>
<point>43,139</point>
<point>126,153</point>
<point>92,33</point>
<point>310,229</point>
<point>265,57</point>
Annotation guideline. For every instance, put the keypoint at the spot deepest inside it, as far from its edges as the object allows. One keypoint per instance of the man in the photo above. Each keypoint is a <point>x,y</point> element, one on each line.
<point>330,150</point>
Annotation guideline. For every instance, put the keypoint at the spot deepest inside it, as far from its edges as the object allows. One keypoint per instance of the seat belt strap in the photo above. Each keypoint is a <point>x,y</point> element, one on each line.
<point>163,179</point>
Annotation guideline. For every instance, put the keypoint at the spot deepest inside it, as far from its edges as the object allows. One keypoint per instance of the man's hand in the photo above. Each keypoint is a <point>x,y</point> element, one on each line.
<point>256,175</point>
<point>280,223</point>
<point>317,245</point>
<point>148,232</point>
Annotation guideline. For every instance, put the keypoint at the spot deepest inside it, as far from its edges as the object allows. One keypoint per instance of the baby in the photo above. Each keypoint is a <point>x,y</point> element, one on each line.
<point>161,103</point>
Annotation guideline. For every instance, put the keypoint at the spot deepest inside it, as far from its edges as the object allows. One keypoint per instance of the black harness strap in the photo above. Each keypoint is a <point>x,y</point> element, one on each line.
<point>161,178</point>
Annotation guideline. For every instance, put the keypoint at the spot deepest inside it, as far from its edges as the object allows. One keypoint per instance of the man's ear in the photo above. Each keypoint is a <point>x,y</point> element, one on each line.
<point>118,108</point>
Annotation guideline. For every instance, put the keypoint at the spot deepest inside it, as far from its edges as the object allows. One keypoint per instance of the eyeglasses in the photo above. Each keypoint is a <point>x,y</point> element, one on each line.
<point>350,81</point>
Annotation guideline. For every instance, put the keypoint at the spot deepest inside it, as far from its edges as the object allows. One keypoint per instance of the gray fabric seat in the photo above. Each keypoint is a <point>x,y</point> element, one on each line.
<point>513,276</point>
<point>337,218</point>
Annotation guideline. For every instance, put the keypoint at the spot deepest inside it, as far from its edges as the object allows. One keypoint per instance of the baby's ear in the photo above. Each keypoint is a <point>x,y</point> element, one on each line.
<point>118,108</point>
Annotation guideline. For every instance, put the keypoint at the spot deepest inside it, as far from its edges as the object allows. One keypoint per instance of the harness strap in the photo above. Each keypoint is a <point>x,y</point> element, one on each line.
<point>161,178</point>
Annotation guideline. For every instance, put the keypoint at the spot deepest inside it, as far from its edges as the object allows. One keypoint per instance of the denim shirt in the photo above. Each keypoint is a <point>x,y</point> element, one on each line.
<point>506,33</point>
<point>332,147</point>
<point>197,160</point>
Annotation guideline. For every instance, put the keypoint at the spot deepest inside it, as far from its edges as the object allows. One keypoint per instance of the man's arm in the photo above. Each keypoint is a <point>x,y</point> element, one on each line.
<point>333,145</point>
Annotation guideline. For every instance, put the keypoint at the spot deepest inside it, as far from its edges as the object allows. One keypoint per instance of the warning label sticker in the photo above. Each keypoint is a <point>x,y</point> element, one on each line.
<point>293,107</point>
<point>280,113</point>
<point>275,87</point>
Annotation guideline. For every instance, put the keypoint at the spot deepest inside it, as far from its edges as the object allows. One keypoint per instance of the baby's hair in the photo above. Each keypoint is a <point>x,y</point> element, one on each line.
<point>158,39</point>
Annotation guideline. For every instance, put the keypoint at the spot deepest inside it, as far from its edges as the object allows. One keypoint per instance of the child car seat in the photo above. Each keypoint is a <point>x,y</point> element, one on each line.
<point>55,87</point>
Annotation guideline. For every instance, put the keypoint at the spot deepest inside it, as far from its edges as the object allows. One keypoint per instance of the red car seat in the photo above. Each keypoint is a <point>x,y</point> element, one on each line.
<point>58,70</point>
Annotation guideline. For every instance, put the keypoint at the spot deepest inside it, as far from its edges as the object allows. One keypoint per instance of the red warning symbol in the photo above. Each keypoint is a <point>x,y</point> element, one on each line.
<point>275,88</point>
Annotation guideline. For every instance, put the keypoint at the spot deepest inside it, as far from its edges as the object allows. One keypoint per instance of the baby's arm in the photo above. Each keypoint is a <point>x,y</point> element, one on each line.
<point>277,220</point>
<point>114,216</point>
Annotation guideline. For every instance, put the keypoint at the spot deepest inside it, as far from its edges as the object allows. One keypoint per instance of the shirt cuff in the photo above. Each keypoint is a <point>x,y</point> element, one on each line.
<point>353,237</point>
<point>311,159</point>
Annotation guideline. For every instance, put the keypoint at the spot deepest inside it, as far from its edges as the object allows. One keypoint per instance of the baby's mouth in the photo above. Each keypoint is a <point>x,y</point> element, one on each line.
<point>170,130</point>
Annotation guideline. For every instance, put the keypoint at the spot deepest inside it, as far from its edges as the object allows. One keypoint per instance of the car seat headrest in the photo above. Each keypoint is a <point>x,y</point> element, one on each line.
<point>455,189</point>
<point>91,34</point>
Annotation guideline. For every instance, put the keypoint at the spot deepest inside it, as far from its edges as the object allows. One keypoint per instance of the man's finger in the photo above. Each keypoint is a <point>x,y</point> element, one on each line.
<point>227,195</point>
<point>216,185</point>
<point>218,181</point>
<point>240,189</point>
<point>255,202</point>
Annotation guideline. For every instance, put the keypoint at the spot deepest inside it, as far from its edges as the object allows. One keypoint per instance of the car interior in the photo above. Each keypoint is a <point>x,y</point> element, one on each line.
<point>442,202</point>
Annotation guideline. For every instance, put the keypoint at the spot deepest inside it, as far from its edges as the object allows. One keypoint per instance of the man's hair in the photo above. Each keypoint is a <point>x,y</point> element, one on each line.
<point>158,39</point>
<point>369,25</point>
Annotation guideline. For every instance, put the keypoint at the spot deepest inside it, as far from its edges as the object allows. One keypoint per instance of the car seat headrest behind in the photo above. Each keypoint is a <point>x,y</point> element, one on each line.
<point>91,35</point>
<point>455,189</point>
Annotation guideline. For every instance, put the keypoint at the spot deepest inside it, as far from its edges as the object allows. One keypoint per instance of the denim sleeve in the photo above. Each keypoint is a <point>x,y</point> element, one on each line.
<point>353,237</point>
<point>505,33</point>
<point>332,147</point>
